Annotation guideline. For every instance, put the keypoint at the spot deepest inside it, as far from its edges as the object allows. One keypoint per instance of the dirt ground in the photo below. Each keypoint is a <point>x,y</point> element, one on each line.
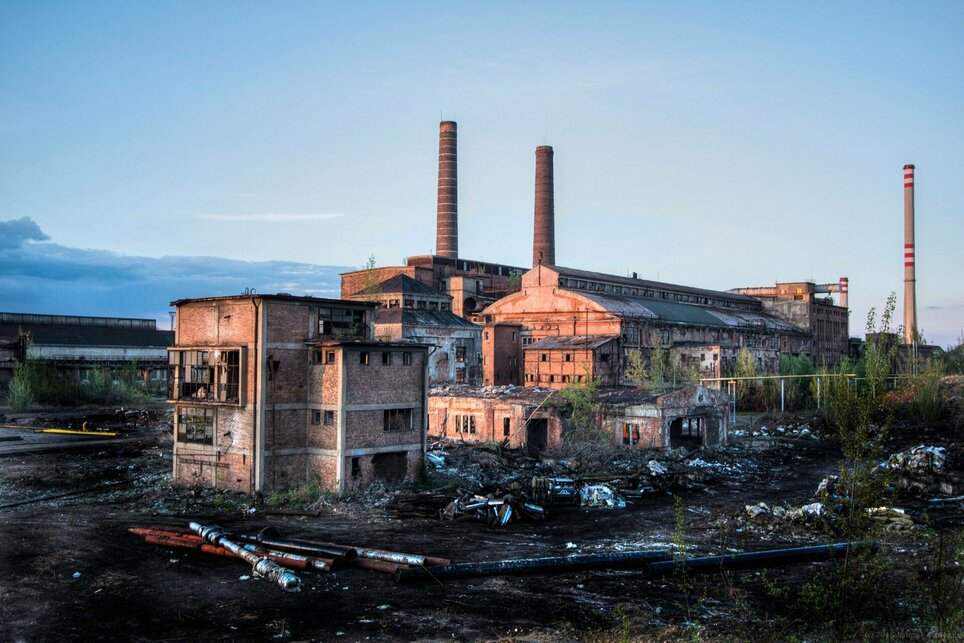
<point>71,571</point>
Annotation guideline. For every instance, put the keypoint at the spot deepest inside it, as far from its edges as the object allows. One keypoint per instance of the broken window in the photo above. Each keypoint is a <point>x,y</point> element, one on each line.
<point>342,322</point>
<point>568,357</point>
<point>393,303</point>
<point>505,427</point>
<point>460,353</point>
<point>407,358</point>
<point>543,357</point>
<point>329,418</point>
<point>465,424</point>
<point>421,305</point>
<point>513,336</point>
<point>363,357</point>
<point>208,375</point>
<point>398,419</point>
<point>316,357</point>
<point>604,357</point>
<point>330,357</point>
<point>195,424</point>
<point>630,434</point>
<point>386,358</point>
<point>316,417</point>
<point>408,303</point>
<point>460,375</point>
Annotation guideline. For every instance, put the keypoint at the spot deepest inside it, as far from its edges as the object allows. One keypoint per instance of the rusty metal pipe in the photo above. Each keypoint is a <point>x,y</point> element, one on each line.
<point>261,566</point>
<point>304,547</point>
<point>548,564</point>
<point>346,551</point>
<point>377,565</point>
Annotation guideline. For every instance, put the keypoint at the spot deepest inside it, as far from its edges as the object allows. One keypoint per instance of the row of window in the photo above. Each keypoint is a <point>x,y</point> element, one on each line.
<point>196,424</point>
<point>420,305</point>
<point>531,377</point>
<point>364,357</point>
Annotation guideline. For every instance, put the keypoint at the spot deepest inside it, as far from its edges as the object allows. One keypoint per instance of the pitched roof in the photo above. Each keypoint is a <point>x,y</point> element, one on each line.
<point>571,342</point>
<point>405,285</point>
<point>419,317</point>
<point>645,283</point>
<point>678,313</point>
<point>71,335</point>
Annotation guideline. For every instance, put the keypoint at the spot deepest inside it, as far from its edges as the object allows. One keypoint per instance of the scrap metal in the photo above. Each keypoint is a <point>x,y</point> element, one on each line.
<point>261,566</point>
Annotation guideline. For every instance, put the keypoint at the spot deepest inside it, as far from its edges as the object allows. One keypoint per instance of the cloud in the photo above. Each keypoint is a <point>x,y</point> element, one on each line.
<point>16,232</point>
<point>271,217</point>
<point>51,278</point>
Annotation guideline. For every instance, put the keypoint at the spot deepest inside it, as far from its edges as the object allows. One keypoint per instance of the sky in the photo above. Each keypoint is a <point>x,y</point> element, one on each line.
<point>154,151</point>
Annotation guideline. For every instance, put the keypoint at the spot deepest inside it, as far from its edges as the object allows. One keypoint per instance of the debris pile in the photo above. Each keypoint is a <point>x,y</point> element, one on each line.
<point>493,509</point>
<point>923,470</point>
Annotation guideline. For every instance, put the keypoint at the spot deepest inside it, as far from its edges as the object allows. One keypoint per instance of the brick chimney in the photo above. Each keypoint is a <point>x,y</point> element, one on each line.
<point>447,225</point>
<point>544,235</point>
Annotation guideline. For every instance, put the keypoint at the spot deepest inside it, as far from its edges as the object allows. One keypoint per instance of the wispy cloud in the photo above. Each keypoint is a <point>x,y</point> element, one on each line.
<point>271,217</point>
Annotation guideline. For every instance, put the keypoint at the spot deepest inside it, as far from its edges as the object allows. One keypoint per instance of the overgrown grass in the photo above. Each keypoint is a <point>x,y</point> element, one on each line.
<point>40,383</point>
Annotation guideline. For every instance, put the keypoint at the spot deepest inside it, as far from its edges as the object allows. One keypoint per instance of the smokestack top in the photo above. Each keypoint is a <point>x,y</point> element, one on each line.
<point>544,149</point>
<point>909,167</point>
<point>447,126</point>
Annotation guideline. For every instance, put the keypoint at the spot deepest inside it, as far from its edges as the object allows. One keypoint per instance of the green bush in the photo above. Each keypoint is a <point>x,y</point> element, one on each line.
<point>20,396</point>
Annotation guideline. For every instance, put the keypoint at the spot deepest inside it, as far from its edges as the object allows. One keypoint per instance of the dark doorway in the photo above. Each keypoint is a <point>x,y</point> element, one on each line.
<point>391,467</point>
<point>686,432</point>
<point>537,436</point>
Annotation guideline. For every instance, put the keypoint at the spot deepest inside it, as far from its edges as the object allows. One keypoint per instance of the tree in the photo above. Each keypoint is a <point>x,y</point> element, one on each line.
<point>20,395</point>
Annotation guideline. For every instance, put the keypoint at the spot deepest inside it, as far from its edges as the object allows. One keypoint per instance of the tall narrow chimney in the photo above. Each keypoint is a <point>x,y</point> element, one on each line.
<point>544,235</point>
<point>910,276</point>
<point>844,288</point>
<point>447,225</point>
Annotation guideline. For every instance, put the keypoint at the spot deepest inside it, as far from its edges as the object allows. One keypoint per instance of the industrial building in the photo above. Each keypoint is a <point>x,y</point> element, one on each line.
<point>567,321</point>
<point>277,391</point>
<point>77,345</point>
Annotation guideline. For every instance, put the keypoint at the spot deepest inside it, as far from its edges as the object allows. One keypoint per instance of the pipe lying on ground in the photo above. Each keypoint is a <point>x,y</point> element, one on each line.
<point>758,559</point>
<point>193,541</point>
<point>614,560</point>
<point>347,551</point>
<point>263,567</point>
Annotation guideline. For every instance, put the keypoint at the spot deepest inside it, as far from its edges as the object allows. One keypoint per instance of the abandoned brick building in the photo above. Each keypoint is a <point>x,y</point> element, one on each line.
<point>75,345</point>
<point>277,391</point>
<point>412,311</point>
<point>611,315</point>
<point>692,416</point>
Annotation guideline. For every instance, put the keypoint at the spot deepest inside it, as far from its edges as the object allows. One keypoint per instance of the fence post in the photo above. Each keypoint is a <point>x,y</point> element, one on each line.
<point>781,395</point>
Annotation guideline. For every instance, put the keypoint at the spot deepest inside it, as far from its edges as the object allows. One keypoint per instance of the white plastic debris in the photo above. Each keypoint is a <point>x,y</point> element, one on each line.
<point>600,495</point>
<point>757,509</point>
<point>656,468</point>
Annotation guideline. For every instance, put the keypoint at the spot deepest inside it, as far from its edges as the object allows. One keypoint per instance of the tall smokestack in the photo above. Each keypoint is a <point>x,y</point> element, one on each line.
<point>844,287</point>
<point>544,235</point>
<point>910,275</point>
<point>447,225</point>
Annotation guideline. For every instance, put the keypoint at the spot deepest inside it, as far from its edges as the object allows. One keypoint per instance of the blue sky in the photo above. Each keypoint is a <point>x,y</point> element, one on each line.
<point>710,144</point>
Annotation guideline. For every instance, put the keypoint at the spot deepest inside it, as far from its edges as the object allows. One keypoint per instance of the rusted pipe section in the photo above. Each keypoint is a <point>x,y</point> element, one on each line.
<point>303,547</point>
<point>757,559</point>
<point>377,565</point>
<point>548,564</point>
<point>263,567</point>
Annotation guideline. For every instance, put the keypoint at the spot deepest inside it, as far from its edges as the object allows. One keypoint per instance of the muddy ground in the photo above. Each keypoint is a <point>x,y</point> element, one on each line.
<point>71,571</point>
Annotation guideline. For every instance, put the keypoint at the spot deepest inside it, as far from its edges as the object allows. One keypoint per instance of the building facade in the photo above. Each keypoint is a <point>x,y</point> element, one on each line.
<point>275,391</point>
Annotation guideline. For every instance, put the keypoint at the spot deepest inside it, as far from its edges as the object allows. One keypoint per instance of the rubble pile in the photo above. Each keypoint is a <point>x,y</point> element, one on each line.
<point>924,470</point>
<point>493,509</point>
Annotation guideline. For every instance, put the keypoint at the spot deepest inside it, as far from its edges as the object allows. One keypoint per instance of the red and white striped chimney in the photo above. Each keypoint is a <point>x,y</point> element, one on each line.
<point>910,275</point>
<point>447,223</point>
<point>544,233</point>
<point>844,287</point>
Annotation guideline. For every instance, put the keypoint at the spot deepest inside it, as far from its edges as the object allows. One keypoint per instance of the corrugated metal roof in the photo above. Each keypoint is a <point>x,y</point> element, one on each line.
<point>418,317</point>
<point>54,335</point>
<point>645,283</point>
<point>677,313</point>
<point>571,342</point>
